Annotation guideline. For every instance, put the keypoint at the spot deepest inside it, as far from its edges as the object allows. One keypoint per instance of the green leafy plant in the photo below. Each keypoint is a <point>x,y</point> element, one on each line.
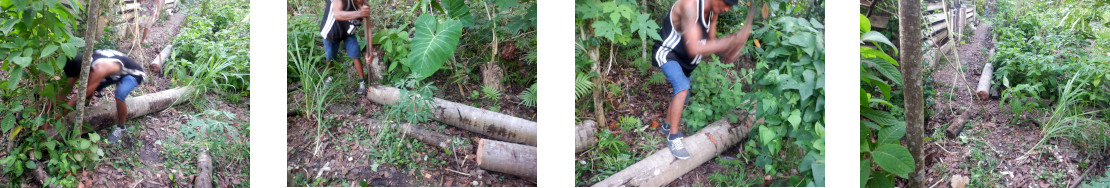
<point>529,96</point>
<point>434,43</point>
<point>880,130</point>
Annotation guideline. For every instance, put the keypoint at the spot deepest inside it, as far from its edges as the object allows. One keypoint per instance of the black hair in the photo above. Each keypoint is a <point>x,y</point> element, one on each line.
<point>73,65</point>
<point>732,2</point>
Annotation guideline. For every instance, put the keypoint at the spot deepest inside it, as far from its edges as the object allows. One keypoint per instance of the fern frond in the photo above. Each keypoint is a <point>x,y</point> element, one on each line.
<point>582,85</point>
<point>529,96</point>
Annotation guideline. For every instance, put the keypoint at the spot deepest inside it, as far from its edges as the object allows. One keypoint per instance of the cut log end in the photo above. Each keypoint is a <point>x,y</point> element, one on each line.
<point>509,158</point>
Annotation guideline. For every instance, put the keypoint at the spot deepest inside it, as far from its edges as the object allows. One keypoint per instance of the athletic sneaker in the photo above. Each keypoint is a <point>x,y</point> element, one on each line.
<point>665,128</point>
<point>674,142</point>
<point>362,87</point>
<point>116,134</point>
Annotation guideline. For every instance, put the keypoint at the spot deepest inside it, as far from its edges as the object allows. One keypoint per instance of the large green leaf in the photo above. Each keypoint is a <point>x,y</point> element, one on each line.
<point>892,133</point>
<point>874,36</point>
<point>894,158</point>
<point>434,43</point>
<point>864,171</point>
<point>457,9</point>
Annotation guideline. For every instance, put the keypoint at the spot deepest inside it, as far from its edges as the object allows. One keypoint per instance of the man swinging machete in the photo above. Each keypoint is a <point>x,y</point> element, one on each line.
<point>690,31</point>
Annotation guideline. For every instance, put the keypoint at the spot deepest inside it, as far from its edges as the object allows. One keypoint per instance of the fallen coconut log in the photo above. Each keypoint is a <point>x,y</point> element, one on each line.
<point>157,64</point>
<point>495,125</point>
<point>204,171</point>
<point>662,167</point>
<point>428,137</point>
<point>509,158</point>
<point>104,115</point>
<point>585,135</point>
<point>983,90</point>
<point>957,126</point>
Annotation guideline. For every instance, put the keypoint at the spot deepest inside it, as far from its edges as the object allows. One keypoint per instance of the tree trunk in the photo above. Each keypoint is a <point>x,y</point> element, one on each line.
<point>585,136</point>
<point>985,82</point>
<point>495,125</point>
<point>909,16</point>
<point>957,126</point>
<point>204,171</point>
<point>90,42</point>
<point>599,105</point>
<point>104,115</point>
<point>157,64</point>
<point>428,137</point>
<point>662,167</point>
<point>509,158</point>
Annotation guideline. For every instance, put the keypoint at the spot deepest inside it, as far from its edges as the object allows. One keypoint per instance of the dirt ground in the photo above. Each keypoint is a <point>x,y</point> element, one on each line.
<point>139,158</point>
<point>344,158</point>
<point>992,149</point>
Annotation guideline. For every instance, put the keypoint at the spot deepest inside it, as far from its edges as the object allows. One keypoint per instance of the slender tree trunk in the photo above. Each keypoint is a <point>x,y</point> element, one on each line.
<point>90,42</point>
<point>909,16</point>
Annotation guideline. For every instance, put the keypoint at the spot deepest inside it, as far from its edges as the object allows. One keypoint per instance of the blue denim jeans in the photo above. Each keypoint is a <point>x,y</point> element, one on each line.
<point>352,48</point>
<point>678,78</point>
<point>126,84</point>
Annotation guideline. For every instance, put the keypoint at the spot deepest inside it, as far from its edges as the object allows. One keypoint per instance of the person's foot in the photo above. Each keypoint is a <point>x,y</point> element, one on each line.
<point>665,128</point>
<point>361,88</point>
<point>674,142</point>
<point>116,134</point>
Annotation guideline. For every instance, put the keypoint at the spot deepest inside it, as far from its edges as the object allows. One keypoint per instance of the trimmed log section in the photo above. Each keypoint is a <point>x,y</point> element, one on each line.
<point>428,137</point>
<point>104,115</point>
<point>983,90</point>
<point>509,158</point>
<point>204,171</point>
<point>495,125</point>
<point>957,126</point>
<point>661,167</point>
<point>157,64</point>
<point>585,135</point>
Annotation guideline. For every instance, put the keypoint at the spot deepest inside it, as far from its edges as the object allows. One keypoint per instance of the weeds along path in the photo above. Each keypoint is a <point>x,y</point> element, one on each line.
<point>988,148</point>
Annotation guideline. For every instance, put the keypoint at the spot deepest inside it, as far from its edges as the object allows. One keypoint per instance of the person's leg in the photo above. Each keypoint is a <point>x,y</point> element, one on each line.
<point>353,52</point>
<point>680,84</point>
<point>124,88</point>
<point>329,52</point>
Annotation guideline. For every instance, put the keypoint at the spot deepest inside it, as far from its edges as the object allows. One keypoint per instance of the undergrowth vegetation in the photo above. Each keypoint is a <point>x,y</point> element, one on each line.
<point>780,79</point>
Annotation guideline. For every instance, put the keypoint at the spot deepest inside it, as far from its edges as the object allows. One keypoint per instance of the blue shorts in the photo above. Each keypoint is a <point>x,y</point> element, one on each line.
<point>126,84</point>
<point>352,48</point>
<point>677,76</point>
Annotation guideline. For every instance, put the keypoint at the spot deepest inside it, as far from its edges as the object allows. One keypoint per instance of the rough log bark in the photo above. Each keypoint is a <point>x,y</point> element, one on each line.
<point>42,176</point>
<point>104,115</point>
<point>204,171</point>
<point>428,137</point>
<point>585,135</point>
<point>957,126</point>
<point>495,125</point>
<point>662,167</point>
<point>983,90</point>
<point>909,16</point>
<point>158,63</point>
<point>509,158</point>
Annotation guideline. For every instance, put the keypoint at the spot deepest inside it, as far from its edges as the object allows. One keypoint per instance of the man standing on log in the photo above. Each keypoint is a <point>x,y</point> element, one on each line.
<point>108,67</point>
<point>691,32</point>
<point>338,25</point>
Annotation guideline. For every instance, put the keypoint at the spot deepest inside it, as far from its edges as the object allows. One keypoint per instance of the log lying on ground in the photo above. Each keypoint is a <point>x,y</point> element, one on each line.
<point>585,135</point>
<point>495,125</point>
<point>983,90</point>
<point>957,126</point>
<point>204,171</point>
<point>428,137</point>
<point>157,64</point>
<point>662,167</point>
<point>509,158</point>
<point>104,115</point>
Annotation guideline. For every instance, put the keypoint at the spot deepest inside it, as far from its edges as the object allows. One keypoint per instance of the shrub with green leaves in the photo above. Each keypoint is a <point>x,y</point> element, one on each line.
<point>880,130</point>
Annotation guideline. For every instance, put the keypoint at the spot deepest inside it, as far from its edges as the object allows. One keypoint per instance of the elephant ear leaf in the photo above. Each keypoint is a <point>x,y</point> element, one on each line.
<point>434,43</point>
<point>457,9</point>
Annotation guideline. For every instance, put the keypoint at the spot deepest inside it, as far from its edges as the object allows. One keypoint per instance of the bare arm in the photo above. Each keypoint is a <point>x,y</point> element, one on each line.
<point>337,9</point>
<point>742,36</point>
<point>693,36</point>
